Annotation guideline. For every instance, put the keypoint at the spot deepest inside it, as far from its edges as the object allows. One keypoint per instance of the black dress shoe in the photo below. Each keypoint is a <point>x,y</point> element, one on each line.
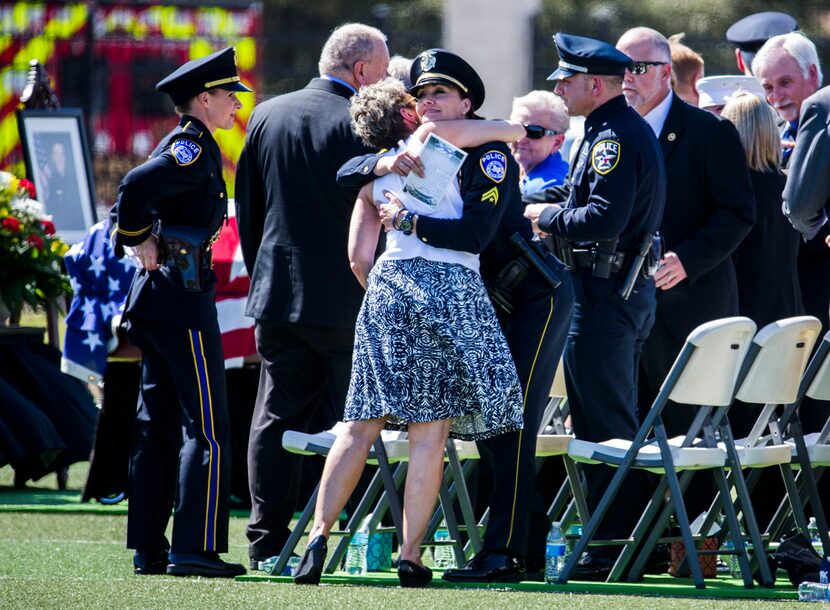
<point>489,566</point>
<point>202,564</point>
<point>412,575</point>
<point>310,568</point>
<point>146,563</point>
<point>592,567</point>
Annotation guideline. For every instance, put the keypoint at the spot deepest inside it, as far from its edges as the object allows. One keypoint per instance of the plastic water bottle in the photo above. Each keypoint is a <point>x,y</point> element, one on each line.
<point>732,560</point>
<point>554,553</point>
<point>812,530</point>
<point>442,554</point>
<point>813,592</point>
<point>356,564</point>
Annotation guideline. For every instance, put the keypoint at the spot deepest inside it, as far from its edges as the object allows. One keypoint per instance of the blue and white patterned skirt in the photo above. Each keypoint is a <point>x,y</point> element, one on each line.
<point>428,347</point>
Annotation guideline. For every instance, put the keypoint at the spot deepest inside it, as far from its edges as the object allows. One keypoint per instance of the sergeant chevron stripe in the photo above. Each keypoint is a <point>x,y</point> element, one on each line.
<point>492,196</point>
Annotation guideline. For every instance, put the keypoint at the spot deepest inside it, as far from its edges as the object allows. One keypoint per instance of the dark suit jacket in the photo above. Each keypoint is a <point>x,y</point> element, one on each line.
<point>709,209</point>
<point>805,199</point>
<point>293,218</point>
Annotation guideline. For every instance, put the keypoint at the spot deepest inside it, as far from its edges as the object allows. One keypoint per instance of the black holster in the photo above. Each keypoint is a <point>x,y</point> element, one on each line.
<point>184,248</point>
<point>501,289</point>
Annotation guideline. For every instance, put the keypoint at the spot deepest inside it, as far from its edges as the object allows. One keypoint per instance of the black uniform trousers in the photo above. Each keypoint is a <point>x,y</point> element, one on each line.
<point>601,361</point>
<point>181,448</point>
<point>535,332</point>
<point>303,383</point>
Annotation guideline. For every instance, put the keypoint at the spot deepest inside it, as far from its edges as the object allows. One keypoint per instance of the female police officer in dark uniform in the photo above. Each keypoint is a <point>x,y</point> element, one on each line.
<point>169,210</point>
<point>533,315</point>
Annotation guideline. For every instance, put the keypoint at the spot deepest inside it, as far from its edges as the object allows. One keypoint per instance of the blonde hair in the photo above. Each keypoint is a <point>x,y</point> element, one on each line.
<point>685,63</point>
<point>755,122</point>
<point>547,102</point>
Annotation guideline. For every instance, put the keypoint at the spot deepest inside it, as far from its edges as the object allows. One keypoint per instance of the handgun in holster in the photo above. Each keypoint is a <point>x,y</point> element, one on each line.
<point>501,289</point>
<point>604,256</point>
<point>535,258</point>
<point>184,249</point>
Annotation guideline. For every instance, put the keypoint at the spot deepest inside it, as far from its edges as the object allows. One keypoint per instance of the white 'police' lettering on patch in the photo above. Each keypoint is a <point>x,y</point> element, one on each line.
<point>185,152</point>
<point>604,156</point>
<point>494,165</point>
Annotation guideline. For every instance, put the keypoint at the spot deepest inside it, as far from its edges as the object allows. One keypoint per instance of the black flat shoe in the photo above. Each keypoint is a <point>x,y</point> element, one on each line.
<point>310,568</point>
<point>412,575</point>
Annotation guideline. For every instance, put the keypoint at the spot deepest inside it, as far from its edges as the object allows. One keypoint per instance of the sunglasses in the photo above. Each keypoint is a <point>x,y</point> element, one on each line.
<point>638,68</point>
<point>537,132</point>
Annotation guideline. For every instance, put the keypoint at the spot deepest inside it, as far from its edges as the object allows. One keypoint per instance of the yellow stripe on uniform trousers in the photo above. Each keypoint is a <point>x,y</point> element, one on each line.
<point>215,456</point>
<point>521,432</point>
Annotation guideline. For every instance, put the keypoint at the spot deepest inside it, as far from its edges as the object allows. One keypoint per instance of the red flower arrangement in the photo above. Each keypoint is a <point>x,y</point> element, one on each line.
<point>30,251</point>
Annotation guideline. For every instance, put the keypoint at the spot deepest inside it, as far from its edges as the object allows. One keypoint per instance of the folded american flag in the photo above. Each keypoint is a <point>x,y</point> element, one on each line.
<point>100,282</point>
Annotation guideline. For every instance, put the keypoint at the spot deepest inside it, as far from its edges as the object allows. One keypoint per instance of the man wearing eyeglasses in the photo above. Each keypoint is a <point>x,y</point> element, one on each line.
<point>537,154</point>
<point>709,210</point>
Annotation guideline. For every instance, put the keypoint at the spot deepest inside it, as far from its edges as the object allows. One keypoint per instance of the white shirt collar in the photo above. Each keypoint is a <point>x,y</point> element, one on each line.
<point>657,117</point>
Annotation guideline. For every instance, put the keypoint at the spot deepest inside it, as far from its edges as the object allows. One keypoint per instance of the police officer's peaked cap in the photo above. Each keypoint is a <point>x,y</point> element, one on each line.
<point>750,33</point>
<point>214,71</point>
<point>439,66</point>
<point>581,55</point>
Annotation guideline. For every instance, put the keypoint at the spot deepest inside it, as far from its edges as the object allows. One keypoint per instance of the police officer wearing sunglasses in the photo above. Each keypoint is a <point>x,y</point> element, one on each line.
<point>612,202</point>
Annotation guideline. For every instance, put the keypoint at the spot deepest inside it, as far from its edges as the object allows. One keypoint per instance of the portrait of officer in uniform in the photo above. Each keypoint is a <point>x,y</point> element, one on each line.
<point>169,211</point>
<point>613,200</point>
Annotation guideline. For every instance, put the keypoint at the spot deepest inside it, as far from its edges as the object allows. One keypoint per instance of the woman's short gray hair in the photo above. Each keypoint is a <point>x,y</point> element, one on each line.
<point>376,113</point>
<point>548,103</point>
<point>348,44</point>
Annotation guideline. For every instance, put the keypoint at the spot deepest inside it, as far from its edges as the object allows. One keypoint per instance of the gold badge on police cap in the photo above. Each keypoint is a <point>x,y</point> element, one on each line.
<point>427,61</point>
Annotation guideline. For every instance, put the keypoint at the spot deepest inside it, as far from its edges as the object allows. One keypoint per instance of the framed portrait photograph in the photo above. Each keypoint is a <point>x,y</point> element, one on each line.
<point>56,153</point>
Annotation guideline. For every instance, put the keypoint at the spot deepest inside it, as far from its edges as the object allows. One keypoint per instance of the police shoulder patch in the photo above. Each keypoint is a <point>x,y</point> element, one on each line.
<point>494,165</point>
<point>185,151</point>
<point>605,155</point>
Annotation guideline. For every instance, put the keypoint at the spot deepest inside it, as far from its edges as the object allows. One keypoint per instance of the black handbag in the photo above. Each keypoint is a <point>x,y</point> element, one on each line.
<point>183,249</point>
<point>797,556</point>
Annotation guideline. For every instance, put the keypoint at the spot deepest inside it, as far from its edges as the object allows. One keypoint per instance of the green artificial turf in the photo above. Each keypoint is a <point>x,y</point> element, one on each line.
<point>78,560</point>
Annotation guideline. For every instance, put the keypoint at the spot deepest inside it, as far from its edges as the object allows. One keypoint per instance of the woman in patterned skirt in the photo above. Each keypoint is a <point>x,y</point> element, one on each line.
<point>429,354</point>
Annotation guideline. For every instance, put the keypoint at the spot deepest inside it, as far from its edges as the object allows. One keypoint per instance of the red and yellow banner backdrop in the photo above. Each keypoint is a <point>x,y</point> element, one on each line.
<point>127,44</point>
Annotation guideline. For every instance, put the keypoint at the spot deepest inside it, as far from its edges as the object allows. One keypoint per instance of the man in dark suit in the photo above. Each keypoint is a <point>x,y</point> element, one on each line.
<point>709,210</point>
<point>293,227</point>
<point>789,70</point>
<point>808,184</point>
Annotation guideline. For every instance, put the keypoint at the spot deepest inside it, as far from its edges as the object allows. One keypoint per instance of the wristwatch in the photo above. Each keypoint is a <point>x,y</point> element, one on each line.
<point>407,222</point>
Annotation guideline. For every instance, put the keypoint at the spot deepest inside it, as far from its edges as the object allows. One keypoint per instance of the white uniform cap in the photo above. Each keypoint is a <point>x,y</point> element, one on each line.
<point>716,90</point>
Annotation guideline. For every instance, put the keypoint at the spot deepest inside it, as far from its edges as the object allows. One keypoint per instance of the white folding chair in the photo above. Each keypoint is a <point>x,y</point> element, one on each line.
<point>703,375</point>
<point>382,493</point>
<point>810,452</point>
<point>770,376</point>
